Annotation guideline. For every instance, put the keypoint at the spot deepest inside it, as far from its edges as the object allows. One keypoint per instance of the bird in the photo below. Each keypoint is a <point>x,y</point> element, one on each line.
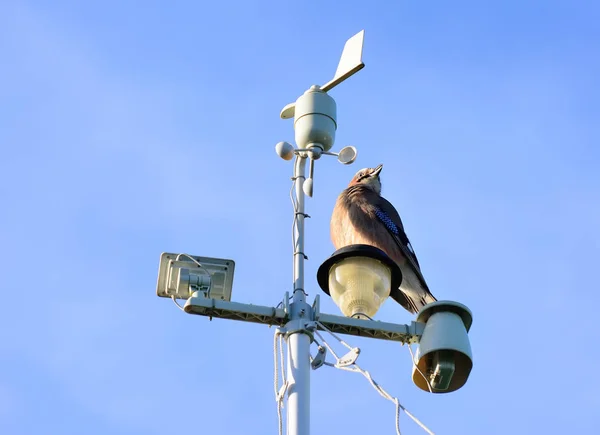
<point>362,216</point>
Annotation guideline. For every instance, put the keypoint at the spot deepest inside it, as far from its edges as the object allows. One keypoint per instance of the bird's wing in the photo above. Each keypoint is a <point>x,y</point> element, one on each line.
<point>389,217</point>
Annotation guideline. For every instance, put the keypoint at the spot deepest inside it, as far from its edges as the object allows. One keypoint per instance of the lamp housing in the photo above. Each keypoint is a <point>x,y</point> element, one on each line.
<point>359,279</point>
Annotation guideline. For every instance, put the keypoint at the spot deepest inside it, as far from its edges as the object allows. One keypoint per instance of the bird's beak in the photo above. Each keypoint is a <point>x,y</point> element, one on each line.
<point>376,171</point>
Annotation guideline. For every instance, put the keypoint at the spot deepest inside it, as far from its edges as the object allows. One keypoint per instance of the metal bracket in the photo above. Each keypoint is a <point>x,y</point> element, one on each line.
<point>416,331</point>
<point>316,306</point>
<point>348,359</point>
<point>319,359</point>
<point>300,326</point>
<point>286,303</point>
<point>200,305</point>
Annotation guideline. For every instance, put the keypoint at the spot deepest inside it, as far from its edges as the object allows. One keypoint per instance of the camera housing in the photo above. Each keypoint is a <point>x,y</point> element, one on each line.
<point>443,361</point>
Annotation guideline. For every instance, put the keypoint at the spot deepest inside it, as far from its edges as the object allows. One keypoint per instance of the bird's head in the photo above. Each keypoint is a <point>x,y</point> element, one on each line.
<point>368,177</point>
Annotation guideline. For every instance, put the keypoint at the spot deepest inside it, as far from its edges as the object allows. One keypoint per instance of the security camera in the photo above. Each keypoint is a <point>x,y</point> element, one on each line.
<point>443,360</point>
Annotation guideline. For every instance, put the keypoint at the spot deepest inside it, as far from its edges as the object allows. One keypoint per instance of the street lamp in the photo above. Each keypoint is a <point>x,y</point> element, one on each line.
<point>359,279</point>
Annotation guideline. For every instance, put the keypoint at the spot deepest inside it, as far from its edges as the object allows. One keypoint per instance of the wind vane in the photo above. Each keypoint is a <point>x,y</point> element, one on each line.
<point>314,113</point>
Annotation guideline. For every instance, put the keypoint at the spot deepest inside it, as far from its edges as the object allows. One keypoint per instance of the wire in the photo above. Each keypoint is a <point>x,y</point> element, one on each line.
<point>279,391</point>
<point>276,382</point>
<point>357,316</point>
<point>295,231</point>
<point>281,358</point>
<point>357,369</point>
<point>327,345</point>
<point>195,261</point>
<point>334,335</point>
<point>177,303</point>
<point>412,358</point>
<point>295,220</point>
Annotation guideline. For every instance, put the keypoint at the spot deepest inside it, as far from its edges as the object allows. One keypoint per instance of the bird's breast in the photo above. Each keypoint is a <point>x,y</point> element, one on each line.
<point>354,222</point>
<point>351,224</point>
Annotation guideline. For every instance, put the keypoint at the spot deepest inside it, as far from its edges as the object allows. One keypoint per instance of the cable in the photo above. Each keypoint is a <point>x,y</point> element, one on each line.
<point>279,391</point>
<point>334,335</point>
<point>357,316</point>
<point>295,235</point>
<point>327,346</point>
<point>195,261</point>
<point>412,358</point>
<point>295,220</point>
<point>177,303</point>
<point>357,369</point>
<point>281,359</point>
<point>276,381</point>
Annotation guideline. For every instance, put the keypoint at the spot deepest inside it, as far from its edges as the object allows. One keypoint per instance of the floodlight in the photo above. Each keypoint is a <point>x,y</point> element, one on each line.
<point>181,275</point>
<point>359,279</point>
<point>443,360</point>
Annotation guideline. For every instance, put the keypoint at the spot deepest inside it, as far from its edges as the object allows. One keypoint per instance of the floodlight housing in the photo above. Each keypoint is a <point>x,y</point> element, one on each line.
<point>443,359</point>
<point>179,276</point>
<point>359,279</point>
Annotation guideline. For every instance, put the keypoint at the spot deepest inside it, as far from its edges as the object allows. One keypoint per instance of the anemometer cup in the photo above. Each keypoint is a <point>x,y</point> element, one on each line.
<point>443,361</point>
<point>315,119</point>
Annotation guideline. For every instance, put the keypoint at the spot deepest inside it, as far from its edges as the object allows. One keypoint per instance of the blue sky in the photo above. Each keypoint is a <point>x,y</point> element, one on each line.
<point>132,128</point>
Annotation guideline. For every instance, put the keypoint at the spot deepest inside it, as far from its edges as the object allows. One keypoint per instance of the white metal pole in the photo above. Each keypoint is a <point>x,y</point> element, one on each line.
<point>299,169</point>
<point>298,366</point>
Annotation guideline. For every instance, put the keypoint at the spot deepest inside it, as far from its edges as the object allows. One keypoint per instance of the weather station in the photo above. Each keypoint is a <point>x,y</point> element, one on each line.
<point>358,278</point>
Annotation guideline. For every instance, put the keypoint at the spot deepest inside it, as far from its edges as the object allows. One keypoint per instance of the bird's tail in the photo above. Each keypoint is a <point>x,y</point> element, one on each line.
<point>417,293</point>
<point>417,303</point>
